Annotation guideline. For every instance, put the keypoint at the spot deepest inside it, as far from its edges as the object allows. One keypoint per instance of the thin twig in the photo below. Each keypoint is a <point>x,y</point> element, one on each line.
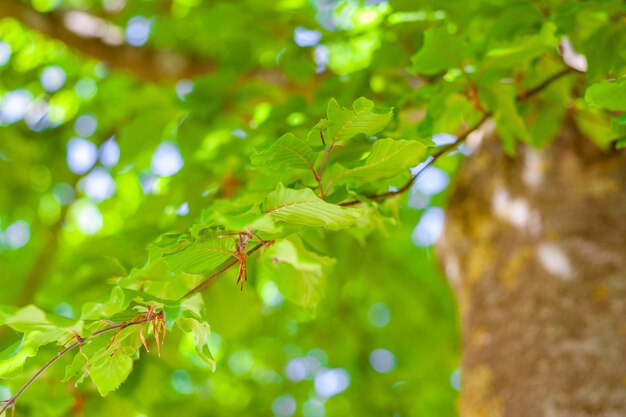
<point>80,341</point>
<point>318,178</point>
<point>323,165</point>
<point>539,88</point>
<point>219,272</point>
<point>437,154</point>
<point>431,160</point>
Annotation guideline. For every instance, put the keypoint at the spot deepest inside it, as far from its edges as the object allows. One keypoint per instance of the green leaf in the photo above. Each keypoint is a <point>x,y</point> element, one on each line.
<point>208,251</point>
<point>155,268</point>
<point>31,318</point>
<point>305,208</point>
<point>201,331</point>
<point>343,124</point>
<point>39,328</point>
<point>299,273</point>
<point>604,50</point>
<point>109,372</point>
<point>441,51</point>
<point>388,158</point>
<point>523,50</point>
<point>610,95</point>
<point>12,359</point>
<point>288,152</point>
<point>618,127</point>
<point>500,100</point>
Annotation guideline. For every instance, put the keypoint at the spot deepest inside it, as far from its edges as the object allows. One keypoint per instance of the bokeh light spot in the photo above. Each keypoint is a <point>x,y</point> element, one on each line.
<point>313,408</point>
<point>379,315</point>
<point>330,382</point>
<point>181,382</point>
<point>184,87</point>
<point>138,31</point>
<point>296,119</point>
<point>431,181</point>
<point>183,209</point>
<point>441,139</point>
<point>17,234</point>
<point>14,106</point>
<point>284,406</point>
<point>85,88</point>
<point>166,160</point>
<point>270,294</point>
<point>86,125</point>
<point>65,310</point>
<point>98,184</point>
<point>87,216</point>
<point>429,227</point>
<point>382,360</point>
<point>45,5</point>
<point>52,78</point>
<point>455,379</point>
<point>63,193</point>
<point>109,153</point>
<point>306,37</point>
<point>5,53</point>
<point>240,362</point>
<point>321,54</point>
<point>81,155</point>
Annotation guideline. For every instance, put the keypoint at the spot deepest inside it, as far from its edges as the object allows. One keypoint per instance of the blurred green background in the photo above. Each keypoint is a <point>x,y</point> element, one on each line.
<point>97,160</point>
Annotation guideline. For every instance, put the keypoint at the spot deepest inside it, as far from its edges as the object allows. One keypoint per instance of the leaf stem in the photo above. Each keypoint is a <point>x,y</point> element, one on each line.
<point>219,272</point>
<point>79,342</point>
<point>442,151</point>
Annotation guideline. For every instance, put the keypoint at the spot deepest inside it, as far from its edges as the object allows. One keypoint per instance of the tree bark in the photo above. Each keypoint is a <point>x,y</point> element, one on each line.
<point>149,64</point>
<point>535,248</point>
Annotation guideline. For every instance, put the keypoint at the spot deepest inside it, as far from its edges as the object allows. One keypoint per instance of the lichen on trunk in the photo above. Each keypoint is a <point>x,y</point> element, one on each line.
<point>534,246</point>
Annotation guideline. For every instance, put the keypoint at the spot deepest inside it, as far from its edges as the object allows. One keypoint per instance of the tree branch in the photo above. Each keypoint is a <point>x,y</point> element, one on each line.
<point>151,64</point>
<point>442,151</point>
<point>219,272</point>
<point>81,341</point>
<point>431,160</point>
<point>10,403</point>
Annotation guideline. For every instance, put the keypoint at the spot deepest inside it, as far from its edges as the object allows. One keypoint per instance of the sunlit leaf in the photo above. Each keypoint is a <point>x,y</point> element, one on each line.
<point>110,373</point>
<point>388,158</point>
<point>343,124</point>
<point>610,95</point>
<point>305,208</point>
<point>441,51</point>
<point>288,152</point>
<point>207,251</point>
<point>299,273</point>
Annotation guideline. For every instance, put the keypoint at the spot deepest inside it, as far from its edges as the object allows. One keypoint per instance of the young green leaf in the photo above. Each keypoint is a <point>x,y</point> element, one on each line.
<point>388,158</point>
<point>208,251</point>
<point>109,373</point>
<point>522,50</point>
<point>299,273</point>
<point>304,207</point>
<point>288,152</point>
<point>343,124</point>
<point>201,331</point>
<point>12,359</point>
<point>500,99</point>
<point>610,95</point>
<point>441,52</point>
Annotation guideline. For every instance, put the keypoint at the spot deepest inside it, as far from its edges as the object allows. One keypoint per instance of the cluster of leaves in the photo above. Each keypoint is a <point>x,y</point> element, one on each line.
<point>250,187</point>
<point>290,215</point>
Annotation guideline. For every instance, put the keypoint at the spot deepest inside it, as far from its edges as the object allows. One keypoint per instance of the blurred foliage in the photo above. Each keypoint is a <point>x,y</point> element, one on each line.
<point>119,194</point>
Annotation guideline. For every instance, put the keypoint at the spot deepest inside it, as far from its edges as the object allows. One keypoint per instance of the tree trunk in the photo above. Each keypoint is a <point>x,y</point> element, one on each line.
<point>535,247</point>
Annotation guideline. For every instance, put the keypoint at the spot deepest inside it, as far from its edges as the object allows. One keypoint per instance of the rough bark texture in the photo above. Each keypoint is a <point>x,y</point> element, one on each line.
<point>535,247</point>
